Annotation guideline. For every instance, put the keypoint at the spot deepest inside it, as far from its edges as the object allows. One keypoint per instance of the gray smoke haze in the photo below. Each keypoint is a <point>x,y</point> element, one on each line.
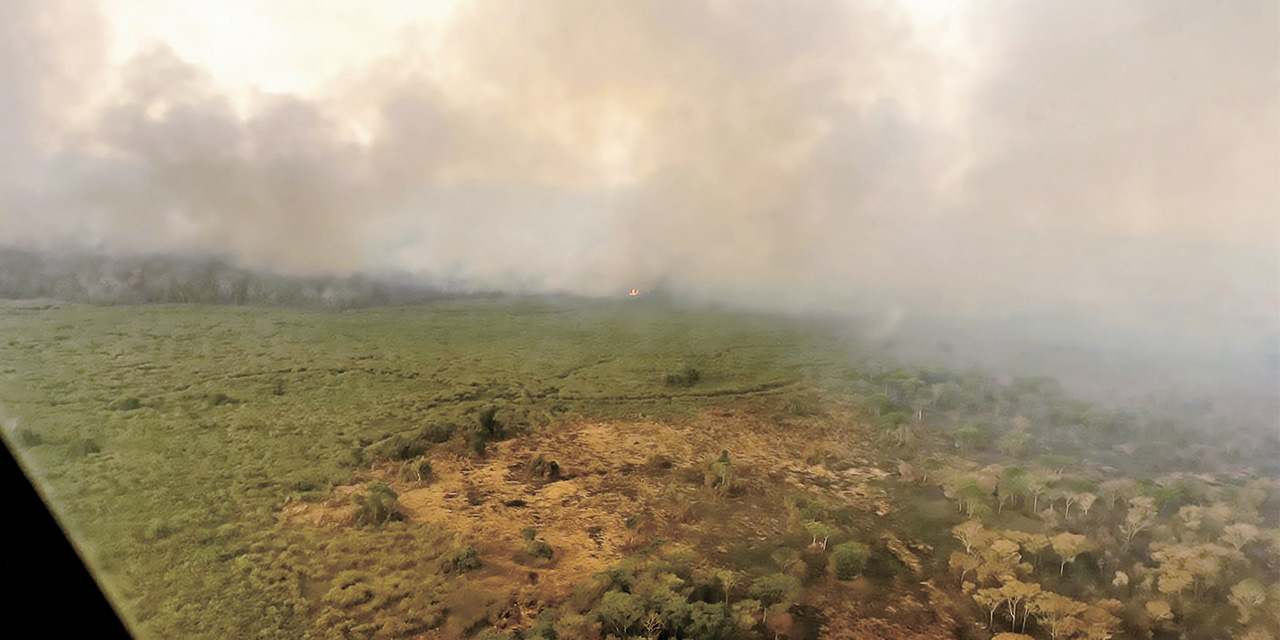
<point>1120,158</point>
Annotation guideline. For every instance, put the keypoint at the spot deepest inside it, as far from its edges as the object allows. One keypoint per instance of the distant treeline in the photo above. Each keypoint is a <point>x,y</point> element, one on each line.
<point>97,279</point>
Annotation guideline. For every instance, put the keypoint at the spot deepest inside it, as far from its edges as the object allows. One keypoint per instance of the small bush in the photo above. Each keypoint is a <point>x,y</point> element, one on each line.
<point>462,560</point>
<point>129,404</point>
<point>487,429</point>
<point>488,425</point>
<point>278,387</point>
<point>883,565</point>
<point>310,482</point>
<point>539,467</point>
<point>84,447</point>
<point>157,530</point>
<point>849,559</point>
<point>720,475</point>
<point>29,438</point>
<point>891,420</point>
<point>815,563</point>
<point>438,432</point>
<point>424,470</point>
<point>494,634</point>
<point>684,379</point>
<point>536,464</point>
<point>539,549</point>
<point>218,399</point>
<point>846,516</point>
<point>529,533</point>
<point>380,505</point>
<point>397,448</point>
<point>658,461</point>
<point>804,404</point>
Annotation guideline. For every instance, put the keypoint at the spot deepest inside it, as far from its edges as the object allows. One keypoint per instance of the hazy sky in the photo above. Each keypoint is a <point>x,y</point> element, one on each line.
<point>970,155</point>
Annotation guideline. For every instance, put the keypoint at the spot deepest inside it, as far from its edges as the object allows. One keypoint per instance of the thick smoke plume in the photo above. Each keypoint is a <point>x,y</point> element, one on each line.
<point>1118,158</point>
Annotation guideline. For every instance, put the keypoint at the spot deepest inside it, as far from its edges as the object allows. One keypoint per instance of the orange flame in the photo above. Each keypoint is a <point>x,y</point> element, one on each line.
<point>634,292</point>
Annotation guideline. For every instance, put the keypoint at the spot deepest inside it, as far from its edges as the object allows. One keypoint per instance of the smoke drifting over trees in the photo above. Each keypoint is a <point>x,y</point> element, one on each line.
<point>1114,157</point>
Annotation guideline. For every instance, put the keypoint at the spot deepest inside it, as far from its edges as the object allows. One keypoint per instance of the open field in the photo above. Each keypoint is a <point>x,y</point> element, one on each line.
<point>173,435</point>
<point>568,468</point>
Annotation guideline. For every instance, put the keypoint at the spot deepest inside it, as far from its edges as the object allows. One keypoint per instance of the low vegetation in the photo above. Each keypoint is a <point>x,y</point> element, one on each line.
<point>508,468</point>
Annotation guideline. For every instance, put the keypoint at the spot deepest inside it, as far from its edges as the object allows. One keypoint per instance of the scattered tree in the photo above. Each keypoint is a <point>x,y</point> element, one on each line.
<point>1068,546</point>
<point>969,533</point>
<point>1247,596</point>
<point>1141,515</point>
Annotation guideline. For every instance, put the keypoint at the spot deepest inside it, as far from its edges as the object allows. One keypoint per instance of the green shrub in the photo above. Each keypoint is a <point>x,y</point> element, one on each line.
<point>488,425</point>
<point>350,589</point>
<point>883,565</point>
<point>539,549</point>
<point>218,399</point>
<point>529,533</point>
<point>813,510</point>
<point>424,469</point>
<point>620,612</point>
<point>437,432</point>
<point>685,378</point>
<point>710,621</point>
<point>129,404</point>
<point>157,529</point>
<point>846,516</point>
<point>891,420</point>
<point>972,435</point>
<point>774,589</point>
<point>494,634</point>
<point>543,626</point>
<point>29,438</point>
<point>577,626</point>
<point>410,450</point>
<point>588,592</point>
<point>784,558</point>
<point>83,447</point>
<point>849,559</point>
<point>462,560</point>
<point>380,505</point>
<point>815,563</point>
<point>310,482</point>
<point>804,404</point>
<point>487,429</point>
<point>720,475</point>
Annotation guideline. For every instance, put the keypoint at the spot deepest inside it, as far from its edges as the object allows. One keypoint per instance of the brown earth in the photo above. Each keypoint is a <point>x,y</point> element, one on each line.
<point>611,472</point>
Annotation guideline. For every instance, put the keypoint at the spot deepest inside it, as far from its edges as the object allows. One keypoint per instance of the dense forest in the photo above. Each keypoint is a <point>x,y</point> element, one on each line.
<point>499,467</point>
<point>95,278</point>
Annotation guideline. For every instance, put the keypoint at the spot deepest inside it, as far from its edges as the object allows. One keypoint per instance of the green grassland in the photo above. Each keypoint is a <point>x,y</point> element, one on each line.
<point>170,440</point>
<point>170,435</point>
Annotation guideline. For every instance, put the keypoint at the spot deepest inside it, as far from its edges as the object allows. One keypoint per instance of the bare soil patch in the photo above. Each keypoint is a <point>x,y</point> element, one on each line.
<point>621,485</point>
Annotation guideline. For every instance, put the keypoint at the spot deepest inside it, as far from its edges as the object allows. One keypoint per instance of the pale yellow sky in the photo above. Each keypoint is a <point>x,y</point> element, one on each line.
<point>278,46</point>
<point>296,45</point>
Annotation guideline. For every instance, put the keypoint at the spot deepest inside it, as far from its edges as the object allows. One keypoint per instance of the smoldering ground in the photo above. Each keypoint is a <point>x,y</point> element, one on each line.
<point>1113,159</point>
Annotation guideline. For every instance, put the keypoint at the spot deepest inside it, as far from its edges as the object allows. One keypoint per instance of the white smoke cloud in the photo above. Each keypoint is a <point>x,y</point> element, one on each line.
<point>1110,155</point>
